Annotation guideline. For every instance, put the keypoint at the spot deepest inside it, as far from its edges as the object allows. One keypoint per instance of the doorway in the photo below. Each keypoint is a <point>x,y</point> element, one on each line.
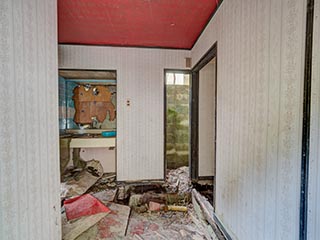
<point>203,119</point>
<point>87,124</point>
<point>177,119</point>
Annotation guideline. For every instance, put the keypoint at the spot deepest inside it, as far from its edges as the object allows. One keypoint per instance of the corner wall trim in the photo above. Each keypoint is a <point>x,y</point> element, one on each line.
<point>306,122</point>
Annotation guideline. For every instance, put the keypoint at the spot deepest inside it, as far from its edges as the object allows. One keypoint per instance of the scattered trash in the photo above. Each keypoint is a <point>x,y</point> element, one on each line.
<point>84,205</point>
<point>178,181</point>
<point>204,212</point>
<point>123,192</point>
<point>159,202</point>
<point>73,229</point>
<point>112,226</point>
<point>162,225</point>
<point>108,195</point>
<point>154,197</point>
<point>77,182</point>
<point>160,211</point>
<point>136,200</point>
<point>107,181</point>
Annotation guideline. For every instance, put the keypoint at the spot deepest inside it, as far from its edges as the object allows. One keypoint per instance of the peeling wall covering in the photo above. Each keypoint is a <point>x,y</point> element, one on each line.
<point>29,162</point>
<point>140,80</point>
<point>260,67</point>
<point>314,172</point>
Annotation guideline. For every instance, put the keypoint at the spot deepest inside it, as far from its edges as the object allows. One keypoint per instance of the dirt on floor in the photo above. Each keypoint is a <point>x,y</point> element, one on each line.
<point>144,210</point>
<point>163,225</point>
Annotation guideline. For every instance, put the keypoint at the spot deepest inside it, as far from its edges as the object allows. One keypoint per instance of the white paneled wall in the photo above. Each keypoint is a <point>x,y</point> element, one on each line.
<point>29,153</point>
<point>140,79</point>
<point>260,63</point>
<point>314,172</point>
<point>207,81</point>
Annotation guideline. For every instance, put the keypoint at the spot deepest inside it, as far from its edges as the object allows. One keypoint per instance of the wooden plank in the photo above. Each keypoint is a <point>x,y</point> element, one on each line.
<point>73,229</point>
<point>207,211</point>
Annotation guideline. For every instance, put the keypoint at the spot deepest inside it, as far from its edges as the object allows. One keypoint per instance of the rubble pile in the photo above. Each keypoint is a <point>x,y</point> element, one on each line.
<point>178,181</point>
<point>147,210</point>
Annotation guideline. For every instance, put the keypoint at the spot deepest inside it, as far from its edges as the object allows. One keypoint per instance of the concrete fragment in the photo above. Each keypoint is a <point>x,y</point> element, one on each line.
<point>153,206</point>
<point>135,200</point>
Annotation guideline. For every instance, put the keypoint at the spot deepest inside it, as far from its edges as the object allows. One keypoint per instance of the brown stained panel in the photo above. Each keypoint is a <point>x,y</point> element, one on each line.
<point>92,102</point>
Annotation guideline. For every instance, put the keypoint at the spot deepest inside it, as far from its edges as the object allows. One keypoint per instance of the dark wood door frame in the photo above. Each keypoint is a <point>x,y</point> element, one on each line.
<point>305,165</point>
<point>194,170</point>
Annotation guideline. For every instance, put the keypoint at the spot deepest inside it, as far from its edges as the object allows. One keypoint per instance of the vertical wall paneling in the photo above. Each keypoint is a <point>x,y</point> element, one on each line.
<point>29,163</point>
<point>207,98</point>
<point>140,79</point>
<point>260,67</point>
<point>314,170</point>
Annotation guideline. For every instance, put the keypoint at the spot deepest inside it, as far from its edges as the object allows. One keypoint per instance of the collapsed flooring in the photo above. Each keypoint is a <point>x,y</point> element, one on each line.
<point>95,206</point>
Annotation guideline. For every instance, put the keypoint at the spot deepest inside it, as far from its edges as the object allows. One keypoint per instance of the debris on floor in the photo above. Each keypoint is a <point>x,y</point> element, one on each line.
<point>205,188</point>
<point>163,225</point>
<point>112,226</point>
<point>96,207</point>
<point>108,195</point>
<point>77,181</point>
<point>107,181</point>
<point>73,229</point>
<point>84,205</point>
<point>204,212</point>
<point>178,181</point>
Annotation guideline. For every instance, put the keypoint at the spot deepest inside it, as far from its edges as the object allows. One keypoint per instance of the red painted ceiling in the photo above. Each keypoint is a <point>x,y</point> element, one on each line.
<point>147,23</point>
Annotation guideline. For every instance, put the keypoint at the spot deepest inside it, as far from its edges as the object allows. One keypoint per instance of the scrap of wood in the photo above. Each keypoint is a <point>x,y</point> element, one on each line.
<point>207,211</point>
<point>136,236</point>
<point>73,229</point>
<point>200,221</point>
<point>80,183</point>
<point>108,195</point>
